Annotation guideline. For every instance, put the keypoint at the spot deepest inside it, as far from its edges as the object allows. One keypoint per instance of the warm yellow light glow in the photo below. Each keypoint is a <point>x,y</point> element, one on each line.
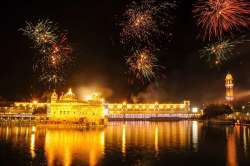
<point>70,91</point>
<point>88,98</point>
<point>64,144</point>
<point>69,108</point>
<point>156,139</point>
<point>231,149</point>
<point>34,102</point>
<point>124,139</point>
<point>195,135</point>
<point>102,100</point>
<point>32,145</point>
<point>33,129</point>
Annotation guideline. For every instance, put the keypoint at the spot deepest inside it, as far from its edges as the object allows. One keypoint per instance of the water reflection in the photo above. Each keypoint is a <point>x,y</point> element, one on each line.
<point>63,146</point>
<point>156,140</point>
<point>124,139</point>
<point>32,145</point>
<point>127,140</point>
<point>195,135</point>
<point>231,148</point>
<point>175,135</point>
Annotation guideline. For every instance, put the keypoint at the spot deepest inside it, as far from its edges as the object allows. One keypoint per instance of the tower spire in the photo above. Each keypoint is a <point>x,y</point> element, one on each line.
<point>229,88</point>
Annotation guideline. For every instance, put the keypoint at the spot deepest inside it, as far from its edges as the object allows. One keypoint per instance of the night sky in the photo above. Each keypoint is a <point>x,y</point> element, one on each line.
<point>94,35</point>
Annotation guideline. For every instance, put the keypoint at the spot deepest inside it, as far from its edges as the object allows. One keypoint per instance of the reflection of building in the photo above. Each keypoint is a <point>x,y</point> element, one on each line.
<point>231,148</point>
<point>69,145</point>
<point>229,88</point>
<point>68,108</point>
<point>153,136</point>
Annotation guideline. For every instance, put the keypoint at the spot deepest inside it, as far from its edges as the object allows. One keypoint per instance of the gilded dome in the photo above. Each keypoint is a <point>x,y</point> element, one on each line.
<point>69,96</point>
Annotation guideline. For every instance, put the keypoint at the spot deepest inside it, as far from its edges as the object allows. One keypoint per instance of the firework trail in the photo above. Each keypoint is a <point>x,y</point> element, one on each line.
<point>145,20</point>
<point>54,51</point>
<point>217,17</point>
<point>142,64</point>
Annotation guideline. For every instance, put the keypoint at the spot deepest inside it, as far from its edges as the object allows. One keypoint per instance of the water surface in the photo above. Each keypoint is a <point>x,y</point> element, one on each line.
<point>128,143</point>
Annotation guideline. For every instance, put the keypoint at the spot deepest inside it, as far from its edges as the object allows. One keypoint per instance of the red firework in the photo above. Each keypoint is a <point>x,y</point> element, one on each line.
<point>216,17</point>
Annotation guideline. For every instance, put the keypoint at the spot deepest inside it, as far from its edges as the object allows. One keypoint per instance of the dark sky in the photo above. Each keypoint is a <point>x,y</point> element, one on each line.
<point>93,33</point>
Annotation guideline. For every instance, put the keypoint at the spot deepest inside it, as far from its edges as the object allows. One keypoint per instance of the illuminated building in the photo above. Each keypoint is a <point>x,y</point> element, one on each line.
<point>92,110</point>
<point>68,108</point>
<point>151,110</point>
<point>229,88</point>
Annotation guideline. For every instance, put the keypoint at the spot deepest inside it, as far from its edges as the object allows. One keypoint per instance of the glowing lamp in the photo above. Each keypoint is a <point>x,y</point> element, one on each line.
<point>194,110</point>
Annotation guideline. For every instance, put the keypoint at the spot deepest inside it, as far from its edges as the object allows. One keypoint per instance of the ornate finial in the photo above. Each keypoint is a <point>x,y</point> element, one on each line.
<point>54,96</point>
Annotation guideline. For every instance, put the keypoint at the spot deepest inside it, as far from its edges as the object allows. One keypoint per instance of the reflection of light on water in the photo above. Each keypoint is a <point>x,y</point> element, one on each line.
<point>124,139</point>
<point>174,135</point>
<point>17,133</point>
<point>92,158</point>
<point>33,129</point>
<point>67,159</point>
<point>7,133</point>
<point>103,141</point>
<point>244,140</point>
<point>32,145</point>
<point>32,142</point>
<point>195,135</point>
<point>231,149</point>
<point>68,145</point>
<point>156,139</point>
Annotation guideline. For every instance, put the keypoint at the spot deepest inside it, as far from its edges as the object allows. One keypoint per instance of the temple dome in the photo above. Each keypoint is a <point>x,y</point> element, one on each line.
<point>69,96</point>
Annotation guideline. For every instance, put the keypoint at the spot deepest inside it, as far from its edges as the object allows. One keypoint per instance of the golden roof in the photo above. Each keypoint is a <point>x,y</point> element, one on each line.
<point>69,96</point>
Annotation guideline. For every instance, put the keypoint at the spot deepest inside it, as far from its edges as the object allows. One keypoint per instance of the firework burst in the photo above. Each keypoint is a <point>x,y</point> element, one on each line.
<point>217,17</point>
<point>143,20</point>
<point>143,64</point>
<point>54,51</point>
<point>219,52</point>
<point>41,33</point>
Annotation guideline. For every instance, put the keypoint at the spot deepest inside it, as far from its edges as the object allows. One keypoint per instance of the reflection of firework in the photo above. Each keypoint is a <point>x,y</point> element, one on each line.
<point>142,64</point>
<point>218,52</point>
<point>144,20</point>
<point>55,52</point>
<point>216,17</point>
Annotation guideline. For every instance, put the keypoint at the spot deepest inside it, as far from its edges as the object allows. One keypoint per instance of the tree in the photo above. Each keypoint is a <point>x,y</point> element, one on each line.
<point>214,110</point>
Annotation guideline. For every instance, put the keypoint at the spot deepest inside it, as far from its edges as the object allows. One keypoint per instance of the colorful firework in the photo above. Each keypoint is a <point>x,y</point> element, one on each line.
<point>142,64</point>
<point>217,17</point>
<point>143,20</point>
<point>219,52</point>
<point>55,51</point>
